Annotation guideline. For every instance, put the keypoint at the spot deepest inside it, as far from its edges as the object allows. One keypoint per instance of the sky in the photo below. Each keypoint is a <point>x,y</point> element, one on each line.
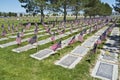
<point>15,5</point>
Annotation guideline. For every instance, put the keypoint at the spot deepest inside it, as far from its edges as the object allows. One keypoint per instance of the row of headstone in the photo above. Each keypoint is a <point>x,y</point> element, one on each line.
<point>22,34</point>
<point>48,51</point>
<point>42,54</point>
<point>66,62</point>
<point>22,31</point>
<point>21,49</point>
<point>73,58</point>
<point>12,29</point>
<point>41,42</point>
<point>107,64</point>
<point>14,42</point>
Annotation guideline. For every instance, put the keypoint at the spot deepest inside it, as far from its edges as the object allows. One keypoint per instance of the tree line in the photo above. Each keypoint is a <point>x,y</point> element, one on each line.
<point>89,7</point>
<point>10,14</point>
<point>117,6</point>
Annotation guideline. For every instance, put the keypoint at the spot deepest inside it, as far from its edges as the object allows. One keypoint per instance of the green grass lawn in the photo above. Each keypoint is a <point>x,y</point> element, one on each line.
<point>20,66</point>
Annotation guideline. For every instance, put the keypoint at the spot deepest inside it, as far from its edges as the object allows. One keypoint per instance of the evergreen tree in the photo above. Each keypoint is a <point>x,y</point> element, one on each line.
<point>61,6</point>
<point>117,6</point>
<point>34,7</point>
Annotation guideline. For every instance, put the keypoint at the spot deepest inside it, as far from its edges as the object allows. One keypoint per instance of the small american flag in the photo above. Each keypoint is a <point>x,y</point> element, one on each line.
<point>99,40</point>
<point>53,37</point>
<point>36,31</point>
<point>47,30</point>
<point>13,27</point>
<point>44,24</point>
<point>94,27</point>
<point>84,31</point>
<point>18,39</point>
<point>2,26</point>
<point>56,46</point>
<point>94,47</point>
<point>33,39</point>
<point>28,25</point>
<point>8,27</point>
<point>4,33</point>
<point>104,35</point>
<point>80,37</point>
<point>22,33</point>
<point>62,32</point>
<point>72,40</point>
<point>110,29</point>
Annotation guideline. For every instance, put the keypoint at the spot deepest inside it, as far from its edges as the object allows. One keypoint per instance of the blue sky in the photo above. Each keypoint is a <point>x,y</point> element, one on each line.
<point>15,5</point>
<point>11,6</point>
